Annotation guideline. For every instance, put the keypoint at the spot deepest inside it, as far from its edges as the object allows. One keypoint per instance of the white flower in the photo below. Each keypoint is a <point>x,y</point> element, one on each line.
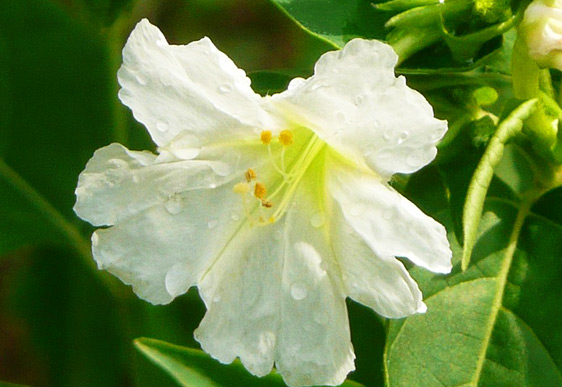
<point>542,30</point>
<point>276,208</point>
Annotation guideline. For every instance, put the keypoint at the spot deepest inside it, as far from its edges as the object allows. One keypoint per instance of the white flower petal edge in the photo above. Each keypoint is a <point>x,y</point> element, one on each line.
<point>355,104</point>
<point>389,224</point>
<point>273,268</point>
<point>157,79</point>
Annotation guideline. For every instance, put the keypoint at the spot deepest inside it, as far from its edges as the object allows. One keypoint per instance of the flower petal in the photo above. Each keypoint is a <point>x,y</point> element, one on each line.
<point>118,183</point>
<point>195,90</point>
<point>389,224</point>
<point>164,249</point>
<point>381,283</point>
<point>355,104</point>
<point>279,301</point>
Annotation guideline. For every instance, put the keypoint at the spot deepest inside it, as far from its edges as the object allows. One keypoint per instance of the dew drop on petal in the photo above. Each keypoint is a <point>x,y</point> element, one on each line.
<point>141,79</point>
<point>416,159</point>
<point>358,101</point>
<point>221,169</point>
<point>235,217</point>
<point>166,79</point>
<point>357,209</point>
<point>403,137</point>
<point>224,88</point>
<point>320,316</point>
<point>162,126</point>
<point>174,205</point>
<point>387,135</point>
<point>212,223</point>
<point>317,86</point>
<point>117,163</point>
<point>299,291</point>
<point>317,220</point>
<point>387,213</point>
<point>217,297</point>
<point>385,154</point>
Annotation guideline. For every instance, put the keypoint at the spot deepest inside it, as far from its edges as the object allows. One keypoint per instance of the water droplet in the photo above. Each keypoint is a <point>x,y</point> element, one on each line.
<point>416,159</point>
<point>317,85</point>
<point>317,220</point>
<point>217,297</point>
<point>387,213</point>
<point>340,116</point>
<point>320,316</point>
<point>166,79</point>
<point>212,223</point>
<point>357,209</point>
<point>174,205</point>
<point>385,154</point>
<point>387,135</point>
<point>162,126</point>
<point>299,291</point>
<point>437,134</point>
<point>141,79</point>
<point>235,217</point>
<point>224,88</point>
<point>358,101</point>
<point>403,137</point>
<point>221,169</point>
<point>117,163</point>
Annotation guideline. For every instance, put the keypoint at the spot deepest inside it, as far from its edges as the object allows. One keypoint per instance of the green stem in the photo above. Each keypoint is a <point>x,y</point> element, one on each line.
<point>57,220</point>
<point>525,72</point>
<point>407,42</point>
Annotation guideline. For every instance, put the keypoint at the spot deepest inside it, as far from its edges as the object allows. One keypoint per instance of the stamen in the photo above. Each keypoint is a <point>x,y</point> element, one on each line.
<point>286,137</point>
<point>260,191</point>
<point>250,175</point>
<point>266,203</point>
<point>266,136</point>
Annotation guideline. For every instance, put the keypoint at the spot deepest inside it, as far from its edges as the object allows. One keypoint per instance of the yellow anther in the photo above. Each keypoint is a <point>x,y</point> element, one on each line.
<point>259,191</point>
<point>250,175</point>
<point>266,203</point>
<point>272,219</point>
<point>286,137</point>
<point>241,188</point>
<point>266,136</point>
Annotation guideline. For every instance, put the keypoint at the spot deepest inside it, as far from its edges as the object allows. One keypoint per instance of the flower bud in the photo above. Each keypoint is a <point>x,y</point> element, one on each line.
<point>542,30</point>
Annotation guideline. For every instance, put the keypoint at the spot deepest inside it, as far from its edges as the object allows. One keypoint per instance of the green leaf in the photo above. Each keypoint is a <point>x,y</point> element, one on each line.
<point>336,21</point>
<point>482,177</point>
<point>495,324</point>
<point>193,368</point>
<point>55,77</point>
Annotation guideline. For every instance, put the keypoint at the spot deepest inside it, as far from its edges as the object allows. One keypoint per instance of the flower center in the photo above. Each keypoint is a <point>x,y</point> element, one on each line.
<point>255,195</point>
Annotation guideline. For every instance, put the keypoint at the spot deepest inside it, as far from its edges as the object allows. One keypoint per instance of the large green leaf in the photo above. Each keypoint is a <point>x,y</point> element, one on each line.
<point>495,324</point>
<point>193,368</point>
<point>337,21</point>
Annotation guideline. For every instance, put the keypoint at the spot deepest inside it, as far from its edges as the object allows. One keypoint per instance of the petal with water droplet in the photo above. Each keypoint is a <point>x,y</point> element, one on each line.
<point>193,88</point>
<point>365,78</point>
<point>409,233</point>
